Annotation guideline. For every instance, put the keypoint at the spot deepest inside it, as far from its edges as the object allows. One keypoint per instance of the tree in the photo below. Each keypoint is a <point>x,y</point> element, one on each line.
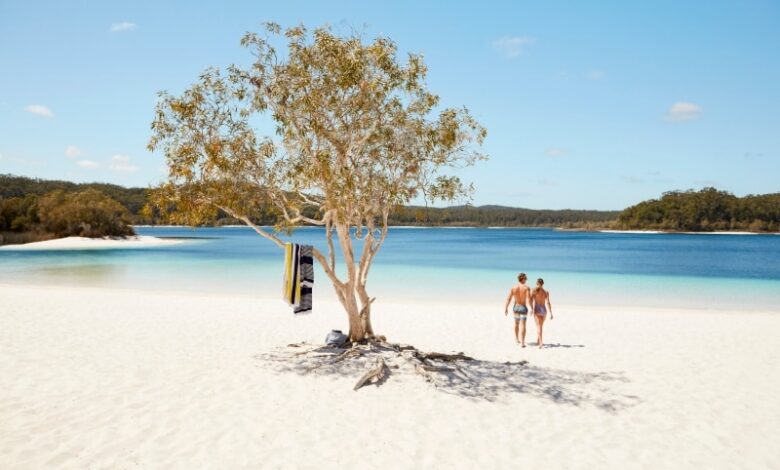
<point>357,135</point>
<point>87,213</point>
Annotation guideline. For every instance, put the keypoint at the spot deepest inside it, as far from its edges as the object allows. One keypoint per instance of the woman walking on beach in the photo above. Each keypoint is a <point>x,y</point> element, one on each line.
<point>540,303</point>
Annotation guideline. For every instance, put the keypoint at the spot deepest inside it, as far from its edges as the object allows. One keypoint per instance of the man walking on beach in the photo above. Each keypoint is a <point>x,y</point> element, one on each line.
<point>522,301</point>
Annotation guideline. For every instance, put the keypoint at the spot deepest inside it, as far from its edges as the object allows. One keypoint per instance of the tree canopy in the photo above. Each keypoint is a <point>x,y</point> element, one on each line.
<point>357,135</point>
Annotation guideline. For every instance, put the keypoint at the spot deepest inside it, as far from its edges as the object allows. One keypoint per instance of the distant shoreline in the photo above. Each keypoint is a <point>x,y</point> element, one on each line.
<point>84,243</point>
<point>671,232</point>
<point>508,227</point>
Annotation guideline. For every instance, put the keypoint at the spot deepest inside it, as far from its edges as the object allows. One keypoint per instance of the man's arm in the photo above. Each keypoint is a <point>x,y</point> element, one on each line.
<point>506,306</point>
<point>529,300</point>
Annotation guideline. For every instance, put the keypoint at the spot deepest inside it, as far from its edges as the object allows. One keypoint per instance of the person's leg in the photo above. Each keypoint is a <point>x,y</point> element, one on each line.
<point>536,322</point>
<point>540,323</point>
<point>517,338</point>
<point>522,332</point>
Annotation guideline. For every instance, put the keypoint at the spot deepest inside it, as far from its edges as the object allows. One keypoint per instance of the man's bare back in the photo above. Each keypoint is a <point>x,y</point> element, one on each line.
<point>520,293</point>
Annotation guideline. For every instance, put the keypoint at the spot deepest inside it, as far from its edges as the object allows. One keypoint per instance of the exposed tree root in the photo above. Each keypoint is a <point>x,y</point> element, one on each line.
<point>375,360</point>
<point>439,369</point>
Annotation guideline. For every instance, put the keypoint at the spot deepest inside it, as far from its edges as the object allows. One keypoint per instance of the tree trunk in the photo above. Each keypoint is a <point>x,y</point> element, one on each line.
<point>365,312</point>
<point>357,331</point>
<point>359,314</point>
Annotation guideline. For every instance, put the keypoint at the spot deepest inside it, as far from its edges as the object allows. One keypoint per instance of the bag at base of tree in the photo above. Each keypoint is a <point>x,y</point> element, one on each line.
<point>335,338</point>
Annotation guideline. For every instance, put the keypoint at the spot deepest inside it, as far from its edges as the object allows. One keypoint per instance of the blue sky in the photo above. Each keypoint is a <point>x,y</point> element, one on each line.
<point>588,105</point>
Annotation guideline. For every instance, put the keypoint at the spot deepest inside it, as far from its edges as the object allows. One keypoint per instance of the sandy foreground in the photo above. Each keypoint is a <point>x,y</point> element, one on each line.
<point>95,378</point>
<point>84,243</point>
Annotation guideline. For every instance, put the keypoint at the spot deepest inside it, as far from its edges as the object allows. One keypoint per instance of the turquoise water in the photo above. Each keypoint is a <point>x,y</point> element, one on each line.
<point>727,272</point>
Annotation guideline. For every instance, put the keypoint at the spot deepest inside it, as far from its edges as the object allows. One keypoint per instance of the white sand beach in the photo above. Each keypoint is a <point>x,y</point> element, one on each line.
<point>84,243</point>
<point>653,232</point>
<point>98,378</point>
<point>632,231</point>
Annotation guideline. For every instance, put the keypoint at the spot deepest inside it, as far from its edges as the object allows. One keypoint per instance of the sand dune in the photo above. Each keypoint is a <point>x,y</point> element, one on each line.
<point>127,379</point>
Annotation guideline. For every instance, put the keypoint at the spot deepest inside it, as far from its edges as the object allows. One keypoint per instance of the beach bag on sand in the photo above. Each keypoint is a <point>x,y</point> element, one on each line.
<point>335,338</point>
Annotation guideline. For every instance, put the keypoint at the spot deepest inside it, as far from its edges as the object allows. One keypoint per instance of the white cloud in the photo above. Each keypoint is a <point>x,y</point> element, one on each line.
<point>513,46</point>
<point>40,110</point>
<point>683,111</point>
<point>71,151</point>
<point>121,163</point>
<point>122,27</point>
<point>595,74</point>
<point>555,152</point>
<point>88,164</point>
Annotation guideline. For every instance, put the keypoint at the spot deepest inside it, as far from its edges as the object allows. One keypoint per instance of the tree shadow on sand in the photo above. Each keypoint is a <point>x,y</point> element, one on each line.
<point>457,375</point>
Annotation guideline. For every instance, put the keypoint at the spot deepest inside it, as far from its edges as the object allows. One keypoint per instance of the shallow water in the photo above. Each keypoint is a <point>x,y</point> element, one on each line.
<point>729,272</point>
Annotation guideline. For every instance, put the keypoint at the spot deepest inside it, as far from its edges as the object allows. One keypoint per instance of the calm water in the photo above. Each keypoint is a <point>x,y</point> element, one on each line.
<point>433,264</point>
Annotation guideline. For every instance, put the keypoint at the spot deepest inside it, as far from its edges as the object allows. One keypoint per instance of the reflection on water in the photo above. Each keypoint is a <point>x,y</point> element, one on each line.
<point>89,274</point>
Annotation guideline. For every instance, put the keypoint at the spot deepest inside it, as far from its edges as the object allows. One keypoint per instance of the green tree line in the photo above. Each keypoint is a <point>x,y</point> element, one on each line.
<point>135,199</point>
<point>20,186</point>
<point>83,213</point>
<point>706,210</point>
<point>709,209</point>
<point>501,216</point>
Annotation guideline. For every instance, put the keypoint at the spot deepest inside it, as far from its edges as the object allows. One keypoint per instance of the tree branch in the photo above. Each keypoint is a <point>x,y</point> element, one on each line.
<point>315,252</point>
<point>245,219</point>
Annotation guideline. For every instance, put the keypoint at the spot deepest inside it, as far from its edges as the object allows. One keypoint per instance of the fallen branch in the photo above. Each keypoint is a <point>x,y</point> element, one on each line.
<point>378,373</point>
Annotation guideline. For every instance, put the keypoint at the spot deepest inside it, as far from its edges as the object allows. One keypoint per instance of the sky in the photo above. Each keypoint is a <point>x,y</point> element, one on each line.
<point>588,105</point>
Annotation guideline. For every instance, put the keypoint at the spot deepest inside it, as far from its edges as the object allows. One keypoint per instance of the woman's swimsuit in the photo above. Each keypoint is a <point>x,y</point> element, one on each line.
<point>540,310</point>
<point>521,312</point>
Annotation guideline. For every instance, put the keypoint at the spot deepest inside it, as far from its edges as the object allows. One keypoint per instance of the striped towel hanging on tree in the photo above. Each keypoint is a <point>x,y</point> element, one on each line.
<point>298,277</point>
<point>306,276</point>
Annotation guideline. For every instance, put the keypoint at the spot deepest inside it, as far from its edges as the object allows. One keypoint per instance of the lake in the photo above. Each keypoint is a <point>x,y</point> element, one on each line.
<point>726,272</point>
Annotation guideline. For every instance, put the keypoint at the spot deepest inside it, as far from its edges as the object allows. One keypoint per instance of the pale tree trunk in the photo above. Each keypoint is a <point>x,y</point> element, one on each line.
<point>365,313</point>
<point>359,315</point>
<point>352,293</point>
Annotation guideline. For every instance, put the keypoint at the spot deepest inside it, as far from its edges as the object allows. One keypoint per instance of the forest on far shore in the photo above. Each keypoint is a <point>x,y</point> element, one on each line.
<point>35,209</point>
<point>706,210</point>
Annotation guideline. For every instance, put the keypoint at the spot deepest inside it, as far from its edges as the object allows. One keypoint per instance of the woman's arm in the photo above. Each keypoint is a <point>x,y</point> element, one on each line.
<point>549,305</point>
